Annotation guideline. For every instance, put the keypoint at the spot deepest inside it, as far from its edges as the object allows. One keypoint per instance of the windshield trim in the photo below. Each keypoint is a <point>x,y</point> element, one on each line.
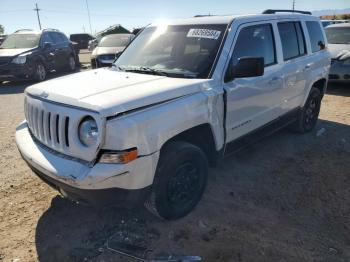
<point>221,47</point>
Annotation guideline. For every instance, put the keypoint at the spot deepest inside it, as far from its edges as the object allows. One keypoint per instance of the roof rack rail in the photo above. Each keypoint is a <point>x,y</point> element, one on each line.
<point>25,29</point>
<point>51,29</point>
<point>274,11</point>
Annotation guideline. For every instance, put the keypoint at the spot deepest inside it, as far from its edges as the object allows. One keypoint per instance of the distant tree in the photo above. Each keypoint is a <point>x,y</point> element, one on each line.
<point>2,29</point>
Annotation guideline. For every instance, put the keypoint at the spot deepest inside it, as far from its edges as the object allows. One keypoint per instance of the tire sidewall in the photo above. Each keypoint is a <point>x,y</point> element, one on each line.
<point>167,169</point>
<point>71,69</point>
<point>314,94</point>
<point>36,76</point>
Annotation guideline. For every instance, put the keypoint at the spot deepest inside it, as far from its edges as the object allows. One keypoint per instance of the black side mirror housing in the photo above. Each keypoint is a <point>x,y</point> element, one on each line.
<point>246,67</point>
<point>47,45</point>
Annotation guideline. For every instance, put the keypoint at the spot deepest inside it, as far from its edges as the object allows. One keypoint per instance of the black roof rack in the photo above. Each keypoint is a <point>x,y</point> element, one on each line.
<point>274,11</point>
<point>51,29</point>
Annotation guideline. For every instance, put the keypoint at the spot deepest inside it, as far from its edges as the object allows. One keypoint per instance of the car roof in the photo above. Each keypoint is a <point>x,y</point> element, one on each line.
<point>226,19</point>
<point>339,25</point>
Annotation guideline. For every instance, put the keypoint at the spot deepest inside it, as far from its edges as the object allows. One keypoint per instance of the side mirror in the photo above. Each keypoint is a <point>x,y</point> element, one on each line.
<point>47,45</point>
<point>246,67</point>
<point>249,67</point>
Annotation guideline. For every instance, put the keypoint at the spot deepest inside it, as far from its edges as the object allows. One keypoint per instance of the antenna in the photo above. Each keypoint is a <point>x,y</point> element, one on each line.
<point>87,7</point>
<point>37,13</point>
<point>293,5</point>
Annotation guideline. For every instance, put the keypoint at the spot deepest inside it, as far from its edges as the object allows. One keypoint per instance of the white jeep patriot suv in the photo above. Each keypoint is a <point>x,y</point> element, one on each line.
<point>182,95</point>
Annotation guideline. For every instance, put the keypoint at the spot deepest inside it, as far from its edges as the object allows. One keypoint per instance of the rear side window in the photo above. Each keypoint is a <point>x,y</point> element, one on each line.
<point>255,41</point>
<point>316,36</point>
<point>292,39</point>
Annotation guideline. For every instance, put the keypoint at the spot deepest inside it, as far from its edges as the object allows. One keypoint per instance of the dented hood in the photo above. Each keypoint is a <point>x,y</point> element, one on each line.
<point>109,92</point>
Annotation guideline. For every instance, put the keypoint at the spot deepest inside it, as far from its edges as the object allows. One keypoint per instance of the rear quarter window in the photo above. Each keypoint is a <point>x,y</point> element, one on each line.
<point>316,36</point>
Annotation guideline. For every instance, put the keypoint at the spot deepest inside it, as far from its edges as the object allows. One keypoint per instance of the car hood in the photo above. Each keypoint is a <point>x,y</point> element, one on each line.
<point>337,49</point>
<point>110,92</point>
<point>14,52</point>
<point>107,50</point>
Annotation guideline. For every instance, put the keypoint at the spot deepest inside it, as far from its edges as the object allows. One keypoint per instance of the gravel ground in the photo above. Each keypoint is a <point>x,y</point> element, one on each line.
<point>283,199</point>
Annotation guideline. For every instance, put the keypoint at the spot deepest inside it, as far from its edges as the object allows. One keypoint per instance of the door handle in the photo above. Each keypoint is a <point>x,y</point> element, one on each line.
<point>274,80</point>
<point>307,67</point>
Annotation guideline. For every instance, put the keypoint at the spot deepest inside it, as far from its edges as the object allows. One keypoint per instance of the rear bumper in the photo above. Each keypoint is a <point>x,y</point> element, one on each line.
<point>122,185</point>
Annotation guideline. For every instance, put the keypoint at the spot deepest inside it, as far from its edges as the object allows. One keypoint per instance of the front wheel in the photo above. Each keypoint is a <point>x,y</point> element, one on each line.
<point>308,117</point>
<point>180,180</point>
<point>40,72</point>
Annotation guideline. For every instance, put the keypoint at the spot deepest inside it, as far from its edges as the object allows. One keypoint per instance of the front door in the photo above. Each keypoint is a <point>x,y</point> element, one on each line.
<point>254,101</point>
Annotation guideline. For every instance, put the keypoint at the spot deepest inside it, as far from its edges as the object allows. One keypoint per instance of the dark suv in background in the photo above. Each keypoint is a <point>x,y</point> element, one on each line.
<point>28,54</point>
<point>81,39</point>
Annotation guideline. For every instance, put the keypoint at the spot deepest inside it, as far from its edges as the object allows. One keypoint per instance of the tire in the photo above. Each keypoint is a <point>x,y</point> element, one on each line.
<point>179,182</point>
<point>40,72</point>
<point>308,117</point>
<point>72,65</point>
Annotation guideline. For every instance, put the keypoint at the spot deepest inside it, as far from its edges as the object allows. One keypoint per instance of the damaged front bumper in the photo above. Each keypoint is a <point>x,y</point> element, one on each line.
<point>124,185</point>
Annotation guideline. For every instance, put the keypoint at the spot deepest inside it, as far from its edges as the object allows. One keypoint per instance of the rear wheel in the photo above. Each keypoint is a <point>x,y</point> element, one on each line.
<point>40,72</point>
<point>71,64</point>
<point>309,115</point>
<point>179,182</point>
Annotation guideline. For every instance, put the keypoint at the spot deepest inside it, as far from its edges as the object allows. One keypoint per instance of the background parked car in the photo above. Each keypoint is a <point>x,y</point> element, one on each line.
<point>81,39</point>
<point>333,22</point>
<point>28,54</point>
<point>2,38</point>
<point>92,44</point>
<point>109,48</point>
<point>338,36</point>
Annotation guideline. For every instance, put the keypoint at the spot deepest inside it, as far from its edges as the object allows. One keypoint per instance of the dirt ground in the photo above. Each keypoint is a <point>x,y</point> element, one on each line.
<point>284,199</point>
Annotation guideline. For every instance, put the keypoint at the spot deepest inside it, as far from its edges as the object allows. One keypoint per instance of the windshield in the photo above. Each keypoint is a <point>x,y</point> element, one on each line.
<point>178,51</point>
<point>338,35</point>
<point>115,41</point>
<point>21,41</point>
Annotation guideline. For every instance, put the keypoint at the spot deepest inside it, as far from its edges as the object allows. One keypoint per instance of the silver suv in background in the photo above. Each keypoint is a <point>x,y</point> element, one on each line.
<point>109,48</point>
<point>339,45</point>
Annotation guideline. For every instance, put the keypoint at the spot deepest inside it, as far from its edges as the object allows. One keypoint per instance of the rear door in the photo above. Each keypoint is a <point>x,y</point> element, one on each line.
<point>255,101</point>
<point>60,50</point>
<point>295,63</point>
<point>49,52</point>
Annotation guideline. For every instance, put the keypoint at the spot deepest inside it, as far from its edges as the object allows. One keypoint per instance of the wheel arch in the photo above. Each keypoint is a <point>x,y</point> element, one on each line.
<point>201,136</point>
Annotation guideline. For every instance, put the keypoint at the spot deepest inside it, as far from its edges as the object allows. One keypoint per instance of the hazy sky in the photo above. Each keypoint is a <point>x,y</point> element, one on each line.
<point>70,16</point>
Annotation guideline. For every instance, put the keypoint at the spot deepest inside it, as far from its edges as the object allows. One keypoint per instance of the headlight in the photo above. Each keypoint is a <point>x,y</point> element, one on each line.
<point>19,60</point>
<point>88,131</point>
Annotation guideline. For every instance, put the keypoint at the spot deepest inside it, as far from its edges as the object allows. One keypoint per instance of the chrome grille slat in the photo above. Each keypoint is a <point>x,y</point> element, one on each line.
<point>53,129</point>
<point>46,127</point>
<point>61,127</point>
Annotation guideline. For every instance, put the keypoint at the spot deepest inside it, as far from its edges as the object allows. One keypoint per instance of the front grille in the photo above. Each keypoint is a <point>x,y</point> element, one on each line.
<point>48,127</point>
<point>4,60</point>
<point>55,126</point>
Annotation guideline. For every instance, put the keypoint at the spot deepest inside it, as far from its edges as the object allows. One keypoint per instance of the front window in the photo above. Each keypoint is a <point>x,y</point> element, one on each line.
<point>21,41</point>
<point>338,35</point>
<point>186,51</point>
<point>115,41</point>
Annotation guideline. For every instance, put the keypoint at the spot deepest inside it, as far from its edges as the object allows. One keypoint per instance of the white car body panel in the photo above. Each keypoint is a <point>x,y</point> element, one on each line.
<point>145,111</point>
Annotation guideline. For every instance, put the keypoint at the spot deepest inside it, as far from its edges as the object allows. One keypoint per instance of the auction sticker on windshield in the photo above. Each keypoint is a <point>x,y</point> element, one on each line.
<point>204,33</point>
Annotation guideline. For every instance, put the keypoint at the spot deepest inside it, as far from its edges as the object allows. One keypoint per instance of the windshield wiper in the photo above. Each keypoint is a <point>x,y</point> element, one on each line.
<point>145,70</point>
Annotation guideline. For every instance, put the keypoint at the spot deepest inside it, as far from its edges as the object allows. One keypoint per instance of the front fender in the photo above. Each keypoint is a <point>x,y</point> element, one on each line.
<point>150,128</point>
